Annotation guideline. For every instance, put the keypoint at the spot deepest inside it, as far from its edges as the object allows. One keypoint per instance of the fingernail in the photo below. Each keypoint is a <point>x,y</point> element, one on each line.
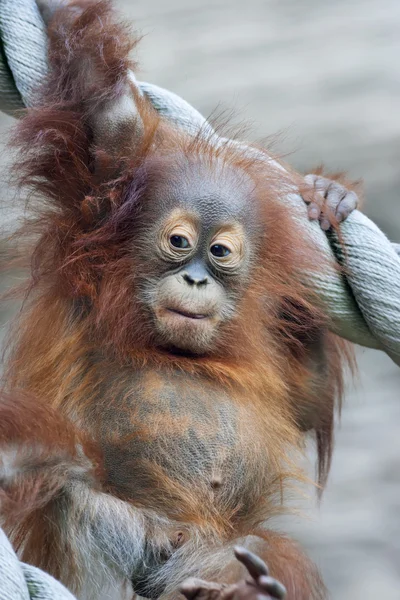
<point>314,213</point>
<point>339,217</point>
<point>325,225</point>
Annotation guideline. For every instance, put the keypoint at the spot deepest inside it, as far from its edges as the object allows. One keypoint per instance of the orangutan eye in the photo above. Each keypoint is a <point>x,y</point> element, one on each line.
<point>179,241</point>
<point>219,250</point>
<point>227,248</point>
<point>178,236</point>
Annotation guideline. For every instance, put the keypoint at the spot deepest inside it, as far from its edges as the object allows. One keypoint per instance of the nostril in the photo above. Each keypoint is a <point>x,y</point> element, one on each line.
<point>188,279</point>
<point>194,280</point>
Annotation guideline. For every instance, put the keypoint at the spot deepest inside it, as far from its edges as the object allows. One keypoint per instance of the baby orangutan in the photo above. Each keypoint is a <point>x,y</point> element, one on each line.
<point>168,362</point>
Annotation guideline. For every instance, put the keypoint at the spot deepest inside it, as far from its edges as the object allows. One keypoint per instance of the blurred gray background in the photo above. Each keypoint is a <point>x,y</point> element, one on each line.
<point>327,75</point>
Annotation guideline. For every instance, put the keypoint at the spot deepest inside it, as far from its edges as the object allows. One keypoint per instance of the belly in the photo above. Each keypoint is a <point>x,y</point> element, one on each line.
<point>183,445</point>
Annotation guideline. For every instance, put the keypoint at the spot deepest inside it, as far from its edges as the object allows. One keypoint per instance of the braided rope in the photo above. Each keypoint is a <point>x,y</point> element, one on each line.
<point>364,306</point>
<point>19,581</point>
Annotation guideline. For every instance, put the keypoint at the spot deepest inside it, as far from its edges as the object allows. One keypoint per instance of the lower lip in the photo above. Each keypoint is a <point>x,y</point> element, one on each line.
<point>192,316</point>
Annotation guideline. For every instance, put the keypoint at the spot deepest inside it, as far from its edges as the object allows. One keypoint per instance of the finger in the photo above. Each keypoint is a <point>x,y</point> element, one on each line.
<point>273,587</point>
<point>314,207</point>
<point>320,184</point>
<point>252,562</point>
<point>198,588</point>
<point>346,206</point>
<point>311,179</point>
<point>325,224</point>
<point>314,211</point>
<point>334,195</point>
<point>190,587</point>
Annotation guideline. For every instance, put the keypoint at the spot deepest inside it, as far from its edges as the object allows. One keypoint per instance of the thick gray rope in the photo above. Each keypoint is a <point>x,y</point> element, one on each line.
<point>19,581</point>
<point>364,306</point>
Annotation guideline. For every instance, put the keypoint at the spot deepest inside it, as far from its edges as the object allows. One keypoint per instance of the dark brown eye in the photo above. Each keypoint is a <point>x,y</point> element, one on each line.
<point>179,241</point>
<point>219,250</point>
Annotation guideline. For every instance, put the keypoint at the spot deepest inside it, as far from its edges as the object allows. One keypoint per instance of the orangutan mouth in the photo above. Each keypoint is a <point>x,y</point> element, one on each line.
<point>188,315</point>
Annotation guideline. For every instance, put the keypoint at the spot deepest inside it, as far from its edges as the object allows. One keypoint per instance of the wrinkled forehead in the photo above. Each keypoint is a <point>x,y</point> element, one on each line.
<point>217,192</point>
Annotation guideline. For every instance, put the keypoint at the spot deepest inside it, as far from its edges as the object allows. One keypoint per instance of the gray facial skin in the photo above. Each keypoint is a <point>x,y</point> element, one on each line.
<point>188,299</point>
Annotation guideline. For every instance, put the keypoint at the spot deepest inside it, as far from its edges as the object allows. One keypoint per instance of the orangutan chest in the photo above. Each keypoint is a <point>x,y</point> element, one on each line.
<point>172,433</point>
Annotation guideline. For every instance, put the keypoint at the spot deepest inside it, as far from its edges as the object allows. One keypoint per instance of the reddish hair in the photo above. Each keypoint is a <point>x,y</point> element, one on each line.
<point>82,273</point>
